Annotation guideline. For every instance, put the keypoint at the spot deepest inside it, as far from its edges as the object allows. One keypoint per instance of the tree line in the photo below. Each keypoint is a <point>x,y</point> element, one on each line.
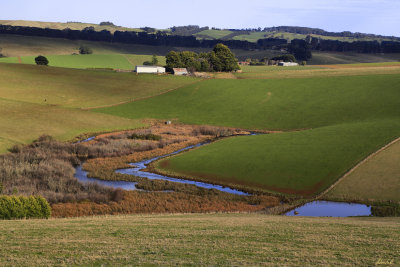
<point>299,47</point>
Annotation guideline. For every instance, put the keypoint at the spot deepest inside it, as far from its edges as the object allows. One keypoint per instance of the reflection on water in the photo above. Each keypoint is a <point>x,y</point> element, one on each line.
<point>331,209</point>
<point>81,175</point>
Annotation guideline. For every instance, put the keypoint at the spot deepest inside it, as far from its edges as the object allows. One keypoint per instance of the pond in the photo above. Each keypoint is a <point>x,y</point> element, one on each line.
<point>331,209</point>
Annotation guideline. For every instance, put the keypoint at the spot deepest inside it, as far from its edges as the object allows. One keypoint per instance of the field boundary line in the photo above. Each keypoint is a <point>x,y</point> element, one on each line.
<point>125,56</point>
<point>137,99</point>
<point>357,166</point>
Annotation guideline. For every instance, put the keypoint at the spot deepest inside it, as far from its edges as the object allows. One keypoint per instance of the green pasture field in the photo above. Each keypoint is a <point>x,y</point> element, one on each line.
<point>274,104</point>
<point>377,179</point>
<point>80,88</point>
<point>214,34</point>
<point>348,117</point>
<point>200,239</point>
<point>113,61</point>
<point>79,61</point>
<point>139,59</point>
<point>295,163</point>
<point>339,70</point>
<point>22,122</point>
<point>61,26</point>
<point>322,58</point>
<point>36,100</point>
<point>15,45</point>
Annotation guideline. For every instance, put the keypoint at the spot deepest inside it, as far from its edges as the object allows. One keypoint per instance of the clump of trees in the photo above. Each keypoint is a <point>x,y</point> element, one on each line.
<point>219,59</point>
<point>84,50</point>
<point>301,49</point>
<point>41,60</point>
<point>285,58</point>
<point>20,207</point>
<point>106,23</point>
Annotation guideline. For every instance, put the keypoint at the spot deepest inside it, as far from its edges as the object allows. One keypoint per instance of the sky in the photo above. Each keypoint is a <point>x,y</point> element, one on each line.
<point>367,16</point>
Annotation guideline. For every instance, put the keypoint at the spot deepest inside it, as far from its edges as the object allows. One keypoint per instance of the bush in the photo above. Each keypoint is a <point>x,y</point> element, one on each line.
<point>41,60</point>
<point>84,50</point>
<point>19,207</point>
<point>146,137</point>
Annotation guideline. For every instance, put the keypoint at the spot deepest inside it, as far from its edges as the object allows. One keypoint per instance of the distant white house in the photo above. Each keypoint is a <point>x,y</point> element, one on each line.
<point>149,69</point>
<point>287,64</point>
<point>180,71</point>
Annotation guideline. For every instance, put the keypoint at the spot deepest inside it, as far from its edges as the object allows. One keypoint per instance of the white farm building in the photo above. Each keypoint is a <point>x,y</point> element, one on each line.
<point>287,64</point>
<point>149,69</point>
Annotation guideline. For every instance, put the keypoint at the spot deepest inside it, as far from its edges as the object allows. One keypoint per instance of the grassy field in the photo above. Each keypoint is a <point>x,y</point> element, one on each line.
<point>61,25</point>
<point>275,104</point>
<point>348,58</point>
<point>215,239</point>
<point>80,88</point>
<point>213,34</point>
<point>268,72</point>
<point>14,46</point>
<point>22,122</point>
<point>350,117</point>
<point>39,100</point>
<point>376,179</point>
<point>114,61</point>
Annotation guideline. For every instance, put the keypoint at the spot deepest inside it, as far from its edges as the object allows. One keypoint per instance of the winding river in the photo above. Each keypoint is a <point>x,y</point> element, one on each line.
<point>137,170</point>
<point>314,208</point>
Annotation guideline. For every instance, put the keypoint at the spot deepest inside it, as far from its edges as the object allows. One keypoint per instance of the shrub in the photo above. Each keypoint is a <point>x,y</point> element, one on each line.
<point>19,207</point>
<point>1,188</point>
<point>146,137</point>
<point>84,50</point>
<point>41,60</point>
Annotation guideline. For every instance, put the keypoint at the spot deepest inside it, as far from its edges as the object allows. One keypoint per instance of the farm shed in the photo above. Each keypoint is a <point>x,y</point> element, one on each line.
<point>180,71</point>
<point>287,64</point>
<point>149,69</point>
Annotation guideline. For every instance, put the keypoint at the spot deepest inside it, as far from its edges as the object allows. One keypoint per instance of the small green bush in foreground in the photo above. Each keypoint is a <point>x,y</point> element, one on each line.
<point>19,207</point>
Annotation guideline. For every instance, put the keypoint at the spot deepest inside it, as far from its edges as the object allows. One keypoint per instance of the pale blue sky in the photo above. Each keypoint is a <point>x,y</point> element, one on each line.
<point>369,16</point>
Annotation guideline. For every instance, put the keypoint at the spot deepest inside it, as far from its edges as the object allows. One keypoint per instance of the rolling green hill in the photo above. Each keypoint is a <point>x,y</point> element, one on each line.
<point>36,100</point>
<point>19,46</point>
<point>64,25</point>
<point>347,117</point>
<point>79,61</point>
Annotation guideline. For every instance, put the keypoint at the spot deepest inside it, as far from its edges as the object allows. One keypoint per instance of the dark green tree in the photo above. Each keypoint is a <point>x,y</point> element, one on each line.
<point>226,57</point>
<point>174,60</point>
<point>41,60</point>
<point>215,62</point>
